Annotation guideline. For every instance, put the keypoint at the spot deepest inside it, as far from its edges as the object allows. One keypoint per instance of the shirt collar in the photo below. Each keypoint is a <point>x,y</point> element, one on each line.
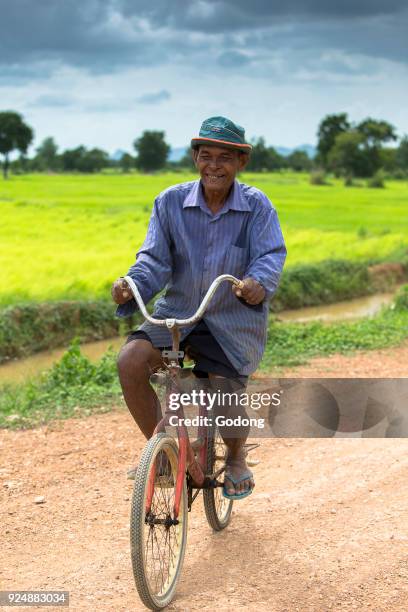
<point>235,201</point>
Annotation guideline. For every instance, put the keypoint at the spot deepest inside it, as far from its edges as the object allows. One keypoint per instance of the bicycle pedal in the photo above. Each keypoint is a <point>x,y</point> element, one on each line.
<point>253,462</point>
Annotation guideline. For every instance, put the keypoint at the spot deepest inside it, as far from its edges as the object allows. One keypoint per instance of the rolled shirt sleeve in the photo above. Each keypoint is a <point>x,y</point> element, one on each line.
<point>267,249</point>
<point>153,267</point>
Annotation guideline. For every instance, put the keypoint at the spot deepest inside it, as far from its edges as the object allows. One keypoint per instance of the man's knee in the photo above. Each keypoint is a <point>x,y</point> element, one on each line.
<point>137,359</point>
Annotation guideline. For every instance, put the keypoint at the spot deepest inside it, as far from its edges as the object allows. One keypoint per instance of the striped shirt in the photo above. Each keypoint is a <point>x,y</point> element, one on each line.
<point>187,247</point>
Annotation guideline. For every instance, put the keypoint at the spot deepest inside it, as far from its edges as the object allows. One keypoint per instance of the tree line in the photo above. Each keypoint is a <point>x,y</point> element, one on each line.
<point>347,149</point>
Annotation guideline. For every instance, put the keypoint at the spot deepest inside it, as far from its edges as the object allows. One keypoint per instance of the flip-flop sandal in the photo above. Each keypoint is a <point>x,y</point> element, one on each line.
<point>247,474</point>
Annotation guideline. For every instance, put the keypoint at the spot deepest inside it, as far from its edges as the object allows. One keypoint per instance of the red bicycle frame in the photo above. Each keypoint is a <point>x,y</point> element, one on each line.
<point>187,460</point>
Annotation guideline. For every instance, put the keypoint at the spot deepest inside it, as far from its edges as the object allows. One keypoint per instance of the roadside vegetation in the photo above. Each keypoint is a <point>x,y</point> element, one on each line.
<point>295,343</point>
<point>76,387</point>
<point>72,387</point>
<point>29,328</point>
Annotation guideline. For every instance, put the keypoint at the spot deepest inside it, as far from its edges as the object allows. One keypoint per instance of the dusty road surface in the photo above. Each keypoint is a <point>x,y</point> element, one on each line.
<point>325,529</point>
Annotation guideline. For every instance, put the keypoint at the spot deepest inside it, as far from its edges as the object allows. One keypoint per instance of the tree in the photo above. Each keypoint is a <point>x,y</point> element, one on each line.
<point>187,160</point>
<point>347,157</point>
<point>47,155</point>
<point>127,162</point>
<point>14,135</point>
<point>81,160</point>
<point>259,159</point>
<point>376,134</point>
<point>94,160</point>
<point>329,128</point>
<point>387,157</point>
<point>276,160</point>
<point>401,155</point>
<point>263,157</point>
<point>152,151</point>
<point>71,159</point>
<point>299,161</point>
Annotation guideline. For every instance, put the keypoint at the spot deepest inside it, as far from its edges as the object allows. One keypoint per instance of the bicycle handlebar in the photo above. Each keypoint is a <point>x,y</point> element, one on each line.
<point>170,323</point>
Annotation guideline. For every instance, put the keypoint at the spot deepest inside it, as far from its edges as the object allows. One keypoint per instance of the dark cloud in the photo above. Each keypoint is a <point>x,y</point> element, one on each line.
<point>376,38</point>
<point>229,15</point>
<point>101,36</point>
<point>91,34</point>
<point>154,98</point>
<point>14,73</point>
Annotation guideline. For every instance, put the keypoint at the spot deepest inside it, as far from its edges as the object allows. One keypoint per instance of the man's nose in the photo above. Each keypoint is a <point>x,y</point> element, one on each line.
<point>214,163</point>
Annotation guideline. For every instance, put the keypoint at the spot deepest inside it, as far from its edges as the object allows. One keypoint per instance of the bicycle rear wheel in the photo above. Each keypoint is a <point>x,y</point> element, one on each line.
<point>217,508</point>
<point>157,541</point>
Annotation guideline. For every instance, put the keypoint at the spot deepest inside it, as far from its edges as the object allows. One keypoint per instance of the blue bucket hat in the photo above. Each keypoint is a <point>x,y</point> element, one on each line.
<point>222,132</point>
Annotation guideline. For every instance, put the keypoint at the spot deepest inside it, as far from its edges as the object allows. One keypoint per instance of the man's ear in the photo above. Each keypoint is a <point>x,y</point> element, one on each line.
<point>194,155</point>
<point>243,160</point>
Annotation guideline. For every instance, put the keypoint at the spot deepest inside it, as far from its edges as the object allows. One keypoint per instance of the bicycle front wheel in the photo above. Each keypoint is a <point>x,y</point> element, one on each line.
<point>217,508</point>
<point>157,538</point>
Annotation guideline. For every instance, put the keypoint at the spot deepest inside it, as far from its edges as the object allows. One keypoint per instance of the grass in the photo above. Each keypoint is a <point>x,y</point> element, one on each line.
<point>295,344</point>
<point>72,387</point>
<point>77,387</point>
<point>69,236</point>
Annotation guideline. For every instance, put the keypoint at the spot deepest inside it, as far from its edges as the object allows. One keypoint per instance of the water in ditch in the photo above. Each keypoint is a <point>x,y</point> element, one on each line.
<point>22,369</point>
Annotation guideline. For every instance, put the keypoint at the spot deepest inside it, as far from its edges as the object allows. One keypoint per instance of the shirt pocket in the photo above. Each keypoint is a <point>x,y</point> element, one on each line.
<point>236,261</point>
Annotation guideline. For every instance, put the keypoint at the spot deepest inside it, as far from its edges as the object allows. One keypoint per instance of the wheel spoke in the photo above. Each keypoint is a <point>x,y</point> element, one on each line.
<point>163,542</point>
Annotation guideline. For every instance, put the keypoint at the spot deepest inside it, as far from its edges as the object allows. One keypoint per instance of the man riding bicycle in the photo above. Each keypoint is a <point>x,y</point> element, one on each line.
<point>198,231</point>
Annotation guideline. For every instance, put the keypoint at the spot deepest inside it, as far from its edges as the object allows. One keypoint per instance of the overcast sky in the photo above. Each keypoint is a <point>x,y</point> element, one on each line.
<point>99,72</point>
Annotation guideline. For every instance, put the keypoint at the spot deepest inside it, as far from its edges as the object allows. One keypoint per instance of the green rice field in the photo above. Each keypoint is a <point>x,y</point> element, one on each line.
<point>70,236</point>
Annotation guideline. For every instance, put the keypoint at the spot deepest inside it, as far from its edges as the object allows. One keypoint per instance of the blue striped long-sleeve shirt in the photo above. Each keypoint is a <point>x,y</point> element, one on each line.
<point>187,247</point>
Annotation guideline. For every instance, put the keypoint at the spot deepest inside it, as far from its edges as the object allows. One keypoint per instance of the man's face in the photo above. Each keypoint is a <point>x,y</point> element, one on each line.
<point>218,167</point>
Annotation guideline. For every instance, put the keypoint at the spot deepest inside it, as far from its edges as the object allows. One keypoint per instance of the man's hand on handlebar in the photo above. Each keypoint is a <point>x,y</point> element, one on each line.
<point>252,291</point>
<point>120,291</point>
<point>249,289</point>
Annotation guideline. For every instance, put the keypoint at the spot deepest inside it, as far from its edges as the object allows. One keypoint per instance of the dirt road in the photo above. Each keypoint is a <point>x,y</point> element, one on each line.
<point>325,529</point>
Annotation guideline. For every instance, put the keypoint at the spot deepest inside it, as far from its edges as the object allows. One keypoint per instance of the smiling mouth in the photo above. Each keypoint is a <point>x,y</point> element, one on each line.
<point>214,177</point>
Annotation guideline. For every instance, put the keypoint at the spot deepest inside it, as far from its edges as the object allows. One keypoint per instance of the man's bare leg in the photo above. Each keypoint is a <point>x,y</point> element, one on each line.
<point>136,362</point>
<point>236,464</point>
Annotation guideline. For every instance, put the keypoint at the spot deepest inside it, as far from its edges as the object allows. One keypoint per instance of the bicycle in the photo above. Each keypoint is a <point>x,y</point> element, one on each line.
<point>170,476</point>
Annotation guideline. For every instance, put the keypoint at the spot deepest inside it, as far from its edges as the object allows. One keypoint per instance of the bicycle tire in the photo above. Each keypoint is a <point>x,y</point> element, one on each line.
<point>217,508</point>
<point>156,591</point>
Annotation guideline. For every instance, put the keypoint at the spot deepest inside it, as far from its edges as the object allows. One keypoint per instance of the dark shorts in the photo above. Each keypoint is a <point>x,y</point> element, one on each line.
<point>204,349</point>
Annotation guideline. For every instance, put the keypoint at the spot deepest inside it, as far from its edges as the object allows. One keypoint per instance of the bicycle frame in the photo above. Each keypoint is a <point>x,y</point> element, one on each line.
<point>187,461</point>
